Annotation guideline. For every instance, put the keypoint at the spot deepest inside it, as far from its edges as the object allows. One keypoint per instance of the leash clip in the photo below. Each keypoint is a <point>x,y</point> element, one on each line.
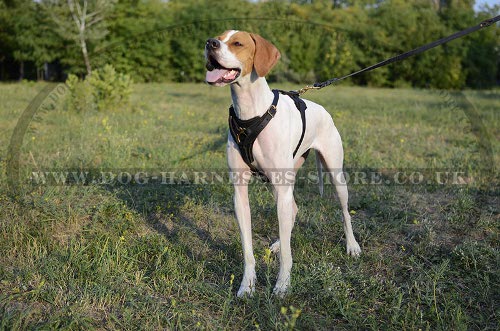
<point>307,88</point>
<point>486,23</point>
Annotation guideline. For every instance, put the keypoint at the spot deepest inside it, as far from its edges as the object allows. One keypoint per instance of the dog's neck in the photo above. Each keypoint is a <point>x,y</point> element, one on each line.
<point>251,96</point>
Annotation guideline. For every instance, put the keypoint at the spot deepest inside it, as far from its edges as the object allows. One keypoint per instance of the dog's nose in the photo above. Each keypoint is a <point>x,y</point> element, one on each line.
<point>212,43</point>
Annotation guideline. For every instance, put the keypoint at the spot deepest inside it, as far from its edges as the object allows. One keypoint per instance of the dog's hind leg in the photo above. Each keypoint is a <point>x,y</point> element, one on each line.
<point>332,155</point>
<point>319,168</point>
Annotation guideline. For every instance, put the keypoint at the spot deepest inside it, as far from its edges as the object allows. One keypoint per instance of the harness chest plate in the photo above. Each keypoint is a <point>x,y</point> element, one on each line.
<point>245,132</point>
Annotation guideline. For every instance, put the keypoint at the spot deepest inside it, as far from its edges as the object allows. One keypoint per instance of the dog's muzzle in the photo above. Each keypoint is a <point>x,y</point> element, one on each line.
<point>211,45</point>
<point>216,73</point>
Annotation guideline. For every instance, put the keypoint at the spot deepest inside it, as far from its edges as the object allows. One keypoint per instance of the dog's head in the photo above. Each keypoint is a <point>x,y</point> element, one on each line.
<point>235,54</point>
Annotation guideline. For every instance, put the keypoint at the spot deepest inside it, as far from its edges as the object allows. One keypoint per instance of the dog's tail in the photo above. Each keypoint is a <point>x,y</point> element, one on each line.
<point>319,167</point>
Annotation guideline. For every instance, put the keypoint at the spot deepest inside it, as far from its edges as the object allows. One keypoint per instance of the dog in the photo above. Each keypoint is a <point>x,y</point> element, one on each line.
<point>242,60</point>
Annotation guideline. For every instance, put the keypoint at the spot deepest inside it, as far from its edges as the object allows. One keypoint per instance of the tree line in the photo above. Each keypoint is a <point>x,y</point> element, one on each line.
<point>156,41</point>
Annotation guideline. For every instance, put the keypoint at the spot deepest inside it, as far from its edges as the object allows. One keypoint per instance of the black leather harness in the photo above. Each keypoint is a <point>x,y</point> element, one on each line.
<point>244,132</point>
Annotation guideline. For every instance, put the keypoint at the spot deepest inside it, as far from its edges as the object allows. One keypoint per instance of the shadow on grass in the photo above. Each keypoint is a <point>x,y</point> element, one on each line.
<point>188,218</point>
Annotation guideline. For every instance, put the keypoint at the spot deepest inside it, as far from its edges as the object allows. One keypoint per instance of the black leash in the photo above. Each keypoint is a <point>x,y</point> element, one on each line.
<point>403,56</point>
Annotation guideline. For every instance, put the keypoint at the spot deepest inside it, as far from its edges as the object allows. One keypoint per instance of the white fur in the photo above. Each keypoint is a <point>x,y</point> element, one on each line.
<point>229,35</point>
<point>273,151</point>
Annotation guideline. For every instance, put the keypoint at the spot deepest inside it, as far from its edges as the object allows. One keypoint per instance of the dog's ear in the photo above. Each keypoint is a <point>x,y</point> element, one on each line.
<point>266,55</point>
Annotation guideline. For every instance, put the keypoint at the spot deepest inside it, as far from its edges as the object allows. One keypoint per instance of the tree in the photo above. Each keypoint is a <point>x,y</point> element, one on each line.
<point>26,36</point>
<point>82,21</point>
<point>160,40</point>
<point>482,61</point>
<point>6,37</point>
<point>138,40</point>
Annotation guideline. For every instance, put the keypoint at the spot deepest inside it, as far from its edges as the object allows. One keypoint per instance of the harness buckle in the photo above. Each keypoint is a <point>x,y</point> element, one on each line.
<point>269,111</point>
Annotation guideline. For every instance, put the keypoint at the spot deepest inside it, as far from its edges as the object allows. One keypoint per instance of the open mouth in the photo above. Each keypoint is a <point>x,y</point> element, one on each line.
<point>217,74</point>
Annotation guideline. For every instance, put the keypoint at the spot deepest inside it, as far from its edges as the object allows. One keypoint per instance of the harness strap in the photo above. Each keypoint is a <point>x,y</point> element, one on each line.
<point>301,106</point>
<point>245,132</point>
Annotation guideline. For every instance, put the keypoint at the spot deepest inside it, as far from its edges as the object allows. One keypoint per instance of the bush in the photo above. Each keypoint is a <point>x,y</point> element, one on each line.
<point>103,90</point>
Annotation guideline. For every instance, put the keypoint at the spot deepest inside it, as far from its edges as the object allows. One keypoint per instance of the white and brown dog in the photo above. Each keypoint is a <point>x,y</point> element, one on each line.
<point>242,60</point>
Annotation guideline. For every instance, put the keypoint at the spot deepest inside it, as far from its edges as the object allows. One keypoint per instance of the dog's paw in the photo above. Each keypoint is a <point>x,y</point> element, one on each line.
<point>280,290</point>
<point>353,249</point>
<point>245,291</point>
<point>281,287</point>
<point>247,288</point>
<point>275,248</point>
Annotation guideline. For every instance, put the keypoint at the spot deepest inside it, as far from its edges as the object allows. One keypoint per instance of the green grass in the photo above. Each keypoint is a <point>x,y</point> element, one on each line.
<point>169,256</point>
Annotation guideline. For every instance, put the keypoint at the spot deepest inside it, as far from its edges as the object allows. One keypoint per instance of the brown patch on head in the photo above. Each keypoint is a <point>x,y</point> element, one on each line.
<point>242,46</point>
<point>253,51</point>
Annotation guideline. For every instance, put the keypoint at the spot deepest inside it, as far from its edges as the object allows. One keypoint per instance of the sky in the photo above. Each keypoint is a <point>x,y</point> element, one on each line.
<point>488,2</point>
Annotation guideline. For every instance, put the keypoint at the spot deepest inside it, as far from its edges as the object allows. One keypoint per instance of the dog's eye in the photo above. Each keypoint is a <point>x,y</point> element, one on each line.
<point>237,43</point>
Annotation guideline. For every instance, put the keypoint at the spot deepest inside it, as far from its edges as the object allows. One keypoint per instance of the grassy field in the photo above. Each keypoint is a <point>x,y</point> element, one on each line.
<point>169,256</point>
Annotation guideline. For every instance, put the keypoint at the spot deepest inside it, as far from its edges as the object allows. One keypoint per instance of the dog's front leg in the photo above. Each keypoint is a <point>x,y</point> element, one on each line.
<point>242,208</point>
<point>284,197</point>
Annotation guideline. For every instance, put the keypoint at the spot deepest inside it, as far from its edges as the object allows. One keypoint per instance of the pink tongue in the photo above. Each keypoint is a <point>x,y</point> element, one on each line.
<point>215,75</point>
